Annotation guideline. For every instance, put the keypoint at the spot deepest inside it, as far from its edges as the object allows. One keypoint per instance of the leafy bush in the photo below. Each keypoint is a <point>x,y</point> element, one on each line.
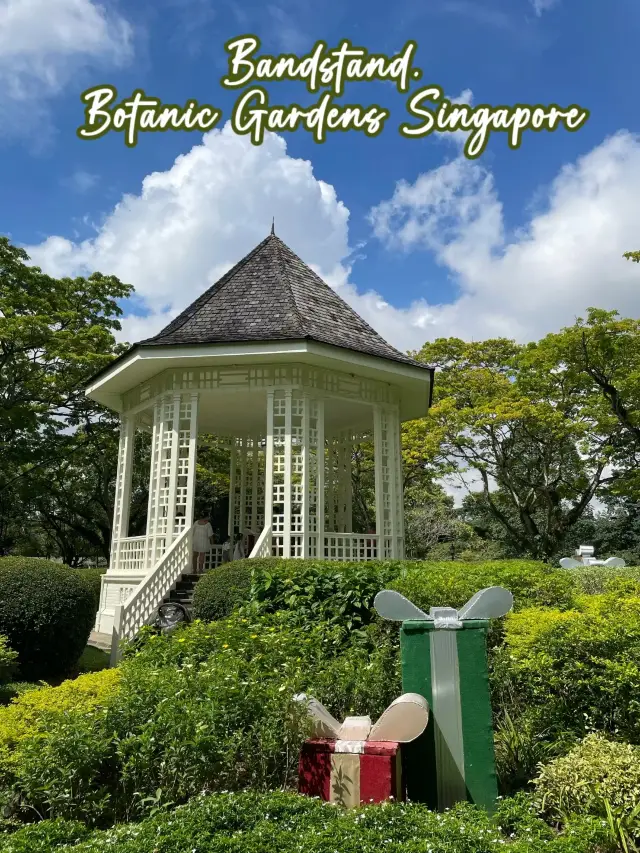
<point>451,584</point>
<point>321,591</point>
<point>209,707</point>
<point>8,661</point>
<point>44,836</point>
<point>253,823</point>
<point>596,580</point>
<point>32,709</point>
<point>575,670</point>
<point>221,590</point>
<point>93,579</point>
<point>46,612</point>
<point>595,771</point>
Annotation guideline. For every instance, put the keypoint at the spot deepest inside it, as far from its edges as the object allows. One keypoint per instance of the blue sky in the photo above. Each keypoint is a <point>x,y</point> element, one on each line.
<point>422,242</point>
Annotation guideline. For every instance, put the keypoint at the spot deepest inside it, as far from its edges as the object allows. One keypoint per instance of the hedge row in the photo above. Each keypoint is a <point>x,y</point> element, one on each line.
<point>287,823</point>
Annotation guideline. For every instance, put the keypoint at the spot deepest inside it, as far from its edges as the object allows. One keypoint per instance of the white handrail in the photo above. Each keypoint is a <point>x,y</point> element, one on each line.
<point>140,607</point>
<point>262,548</point>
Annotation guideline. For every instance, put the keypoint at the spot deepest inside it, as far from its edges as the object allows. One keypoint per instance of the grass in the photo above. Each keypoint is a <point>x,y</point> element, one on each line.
<point>93,660</point>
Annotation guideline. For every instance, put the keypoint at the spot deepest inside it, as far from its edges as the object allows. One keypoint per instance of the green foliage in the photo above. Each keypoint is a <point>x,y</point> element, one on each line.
<point>209,707</point>
<point>594,772</point>
<point>254,823</point>
<point>596,580</point>
<point>55,333</point>
<point>47,612</point>
<point>312,591</point>
<point>44,836</point>
<point>29,711</point>
<point>573,671</point>
<point>451,584</point>
<point>8,660</point>
<point>93,579</point>
<point>503,411</point>
<point>221,590</point>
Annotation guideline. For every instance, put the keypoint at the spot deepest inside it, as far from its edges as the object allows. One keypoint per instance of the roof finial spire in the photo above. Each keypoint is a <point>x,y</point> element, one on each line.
<point>273,226</point>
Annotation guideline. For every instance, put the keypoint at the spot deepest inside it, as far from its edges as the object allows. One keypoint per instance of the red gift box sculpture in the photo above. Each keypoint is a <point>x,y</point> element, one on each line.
<point>354,762</point>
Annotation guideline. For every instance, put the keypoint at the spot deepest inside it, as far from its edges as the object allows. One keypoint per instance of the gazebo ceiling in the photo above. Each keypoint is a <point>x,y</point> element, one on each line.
<point>270,307</point>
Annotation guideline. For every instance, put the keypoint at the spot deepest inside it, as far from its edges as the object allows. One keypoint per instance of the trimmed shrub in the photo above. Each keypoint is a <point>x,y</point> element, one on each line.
<point>30,711</point>
<point>321,591</point>
<point>576,670</point>
<point>207,708</point>
<point>47,612</point>
<point>597,580</point>
<point>254,823</point>
<point>8,661</point>
<point>451,584</point>
<point>93,579</point>
<point>220,591</point>
<point>594,772</point>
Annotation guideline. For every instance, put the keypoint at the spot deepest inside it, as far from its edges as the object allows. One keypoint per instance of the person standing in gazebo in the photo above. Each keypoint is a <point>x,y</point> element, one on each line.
<point>202,542</point>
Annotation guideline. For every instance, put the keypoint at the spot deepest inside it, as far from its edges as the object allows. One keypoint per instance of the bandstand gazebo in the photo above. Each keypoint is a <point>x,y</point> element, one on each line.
<point>273,359</point>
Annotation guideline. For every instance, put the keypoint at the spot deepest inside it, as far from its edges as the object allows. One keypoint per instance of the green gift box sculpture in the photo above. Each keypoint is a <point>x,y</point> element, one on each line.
<point>444,659</point>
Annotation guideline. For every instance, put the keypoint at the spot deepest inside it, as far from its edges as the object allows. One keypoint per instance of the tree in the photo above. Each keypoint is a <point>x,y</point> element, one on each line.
<point>54,335</point>
<point>505,415</point>
<point>599,358</point>
<point>632,256</point>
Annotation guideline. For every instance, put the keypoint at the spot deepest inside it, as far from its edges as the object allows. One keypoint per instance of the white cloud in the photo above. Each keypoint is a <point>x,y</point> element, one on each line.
<point>43,43</point>
<point>194,221</point>
<point>566,258</point>
<point>540,6</point>
<point>81,181</point>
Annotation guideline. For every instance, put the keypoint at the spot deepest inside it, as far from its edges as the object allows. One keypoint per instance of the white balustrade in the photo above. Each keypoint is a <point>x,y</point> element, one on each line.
<point>213,557</point>
<point>140,608</point>
<point>263,547</point>
<point>358,547</point>
<point>130,554</point>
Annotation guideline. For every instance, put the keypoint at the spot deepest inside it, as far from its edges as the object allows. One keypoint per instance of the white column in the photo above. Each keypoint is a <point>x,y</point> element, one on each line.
<point>232,488</point>
<point>173,470</point>
<point>268,468</point>
<point>242,507</point>
<point>286,539</point>
<point>192,460</point>
<point>392,423</point>
<point>306,481</point>
<point>320,495</point>
<point>122,496</point>
<point>255,468</point>
<point>155,482</point>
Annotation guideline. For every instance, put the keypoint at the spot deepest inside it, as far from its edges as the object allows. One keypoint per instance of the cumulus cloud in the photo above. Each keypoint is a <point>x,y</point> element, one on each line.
<point>192,222</point>
<point>43,43</point>
<point>566,258</point>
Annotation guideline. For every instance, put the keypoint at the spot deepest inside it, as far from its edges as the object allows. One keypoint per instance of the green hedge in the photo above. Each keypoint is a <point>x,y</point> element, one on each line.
<point>208,707</point>
<point>288,823</point>
<point>221,590</point>
<point>451,584</point>
<point>93,579</point>
<point>321,591</point>
<point>46,612</point>
<point>573,671</point>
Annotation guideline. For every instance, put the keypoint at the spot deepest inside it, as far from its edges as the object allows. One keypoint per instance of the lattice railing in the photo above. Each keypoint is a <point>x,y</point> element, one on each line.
<point>263,548</point>
<point>131,554</point>
<point>213,557</point>
<point>140,607</point>
<point>357,547</point>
